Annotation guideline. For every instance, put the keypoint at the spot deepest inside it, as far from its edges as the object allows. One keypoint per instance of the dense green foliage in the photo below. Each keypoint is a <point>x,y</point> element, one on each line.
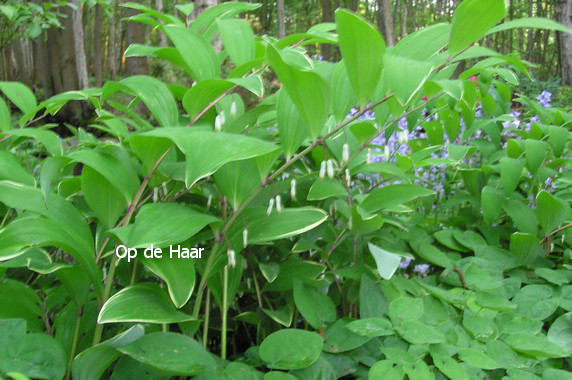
<point>370,218</point>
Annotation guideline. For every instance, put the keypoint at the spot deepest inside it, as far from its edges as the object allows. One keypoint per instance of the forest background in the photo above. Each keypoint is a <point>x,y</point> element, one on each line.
<point>57,46</point>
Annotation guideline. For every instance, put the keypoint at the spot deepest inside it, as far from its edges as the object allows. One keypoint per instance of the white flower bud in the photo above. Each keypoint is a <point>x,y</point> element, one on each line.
<point>330,166</point>
<point>293,189</point>
<point>270,206</point>
<point>350,223</point>
<point>155,194</point>
<point>402,138</point>
<point>348,177</point>
<point>165,188</point>
<point>278,203</point>
<point>218,123</point>
<point>368,159</point>
<point>323,170</point>
<point>346,153</point>
<point>245,237</point>
<point>233,110</point>
<point>231,258</point>
<point>209,201</point>
<point>386,152</point>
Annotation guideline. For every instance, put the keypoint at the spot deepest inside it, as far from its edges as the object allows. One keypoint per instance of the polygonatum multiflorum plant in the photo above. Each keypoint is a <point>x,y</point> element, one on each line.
<point>399,213</point>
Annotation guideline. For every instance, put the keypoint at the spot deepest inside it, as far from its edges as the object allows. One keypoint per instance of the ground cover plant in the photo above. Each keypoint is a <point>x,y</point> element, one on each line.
<point>386,216</point>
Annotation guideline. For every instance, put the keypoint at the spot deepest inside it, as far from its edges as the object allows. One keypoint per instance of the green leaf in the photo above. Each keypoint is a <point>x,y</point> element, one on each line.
<point>205,92</point>
<point>372,301</point>
<point>406,308</point>
<point>371,327</point>
<point>477,359</point>
<point>307,90</point>
<point>491,204</point>
<point>152,92</point>
<point>20,95</point>
<point>294,269</point>
<point>530,23</point>
<point>525,247</point>
<point>423,43</point>
<point>195,51</point>
<point>144,303</point>
<point>20,301</point>
<point>280,225</point>
<point>432,254</point>
<point>113,164</point>
<point>534,345</point>
<point>163,224</point>
<point>238,39</point>
<point>178,274</point>
<point>522,216</point>
<point>315,306</point>
<point>535,152</point>
<point>338,338</point>
<point>48,139</point>
<point>471,20</point>
<point>343,97</point>
<point>326,188</point>
<point>362,49</point>
<point>510,174</point>
<point>416,332</point>
<point>236,180</point>
<point>551,211</point>
<point>103,198</point>
<point>291,349</point>
<point>290,124</point>
<point>557,138</point>
<point>92,362</point>
<point>387,262</point>
<point>11,169</point>
<point>560,332</point>
<point>206,152</point>
<point>450,367</point>
<point>404,76</point>
<point>393,195</point>
<point>63,226</point>
<point>37,355</point>
<point>5,121</point>
<point>175,354</point>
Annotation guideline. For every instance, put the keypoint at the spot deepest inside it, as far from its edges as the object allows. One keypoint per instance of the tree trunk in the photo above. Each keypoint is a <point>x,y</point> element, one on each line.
<point>564,10</point>
<point>80,60</point>
<point>326,17</point>
<point>98,61</point>
<point>403,31</point>
<point>111,44</point>
<point>281,21</point>
<point>162,36</point>
<point>41,74</point>
<point>135,35</point>
<point>385,19</point>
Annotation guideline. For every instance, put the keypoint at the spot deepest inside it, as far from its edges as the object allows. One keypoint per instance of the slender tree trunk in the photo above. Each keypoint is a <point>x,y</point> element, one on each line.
<point>564,10</point>
<point>326,17</point>
<point>80,60</point>
<point>111,44</point>
<point>162,36</point>
<point>384,7</point>
<point>135,35</point>
<point>403,31</point>
<point>119,52</point>
<point>281,21</point>
<point>98,61</point>
<point>41,74</point>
